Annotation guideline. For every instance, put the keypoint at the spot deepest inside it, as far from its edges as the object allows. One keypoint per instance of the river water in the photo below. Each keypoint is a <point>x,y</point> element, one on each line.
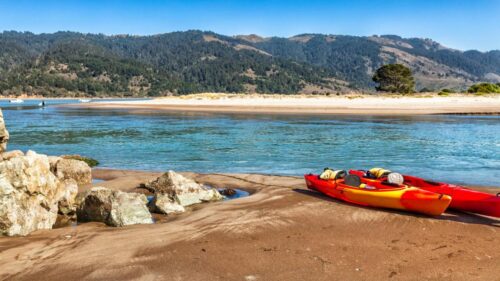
<point>457,149</point>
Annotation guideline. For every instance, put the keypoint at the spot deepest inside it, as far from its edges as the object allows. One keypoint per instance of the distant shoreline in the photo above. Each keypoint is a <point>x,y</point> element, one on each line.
<point>312,105</point>
<point>69,98</point>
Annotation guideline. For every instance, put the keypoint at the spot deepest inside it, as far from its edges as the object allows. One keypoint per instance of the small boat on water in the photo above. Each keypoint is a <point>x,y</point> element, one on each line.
<point>380,195</point>
<point>84,100</point>
<point>463,199</point>
<point>16,101</point>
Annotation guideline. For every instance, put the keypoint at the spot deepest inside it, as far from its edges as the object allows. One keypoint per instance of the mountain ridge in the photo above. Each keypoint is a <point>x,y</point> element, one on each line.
<point>183,62</point>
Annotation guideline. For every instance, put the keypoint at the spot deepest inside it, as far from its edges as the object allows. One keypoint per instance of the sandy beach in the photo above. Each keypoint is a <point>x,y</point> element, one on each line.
<point>281,232</point>
<point>281,104</point>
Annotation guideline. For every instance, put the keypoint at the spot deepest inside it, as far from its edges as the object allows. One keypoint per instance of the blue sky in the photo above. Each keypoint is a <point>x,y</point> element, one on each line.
<point>473,24</point>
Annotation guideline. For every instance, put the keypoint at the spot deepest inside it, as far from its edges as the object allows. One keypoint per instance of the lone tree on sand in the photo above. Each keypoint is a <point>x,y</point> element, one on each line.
<point>394,78</point>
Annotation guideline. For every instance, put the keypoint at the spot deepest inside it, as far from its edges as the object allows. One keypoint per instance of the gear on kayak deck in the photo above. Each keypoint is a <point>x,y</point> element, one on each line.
<point>352,180</point>
<point>395,178</point>
<point>329,174</point>
<point>378,173</point>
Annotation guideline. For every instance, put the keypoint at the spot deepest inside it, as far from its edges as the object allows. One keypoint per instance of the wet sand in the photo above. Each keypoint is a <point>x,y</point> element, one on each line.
<point>281,232</point>
<point>359,105</point>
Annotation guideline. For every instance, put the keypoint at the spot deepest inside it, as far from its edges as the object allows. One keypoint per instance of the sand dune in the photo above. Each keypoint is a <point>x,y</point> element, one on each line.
<point>281,232</point>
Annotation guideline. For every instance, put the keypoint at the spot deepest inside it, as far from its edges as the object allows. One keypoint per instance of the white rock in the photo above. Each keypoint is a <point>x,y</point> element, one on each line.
<point>53,162</point>
<point>182,190</point>
<point>11,154</point>
<point>72,169</point>
<point>114,208</point>
<point>164,205</point>
<point>67,202</point>
<point>4,134</point>
<point>30,194</point>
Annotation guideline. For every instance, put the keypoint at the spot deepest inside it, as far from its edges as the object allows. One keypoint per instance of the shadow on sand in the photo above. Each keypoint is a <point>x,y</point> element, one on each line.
<point>450,215</point>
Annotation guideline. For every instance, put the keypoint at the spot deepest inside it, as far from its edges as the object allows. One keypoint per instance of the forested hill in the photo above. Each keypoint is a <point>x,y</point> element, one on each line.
<point>72,64</point>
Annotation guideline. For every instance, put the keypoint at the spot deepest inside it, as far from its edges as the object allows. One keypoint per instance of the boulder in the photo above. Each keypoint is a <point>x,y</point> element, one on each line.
<point>114,208</point>
<point>77,170</point>
<point>173,191</point>
<point>53,162</point>
<point>4,134</point>
<point>10,154</point>
<point>67,202</point>
<point>162,204</point>
<point>90,161</point>
<point>30,194</point>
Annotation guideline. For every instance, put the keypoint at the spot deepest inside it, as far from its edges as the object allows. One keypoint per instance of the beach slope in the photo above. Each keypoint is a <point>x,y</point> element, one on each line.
<point>281,232</point>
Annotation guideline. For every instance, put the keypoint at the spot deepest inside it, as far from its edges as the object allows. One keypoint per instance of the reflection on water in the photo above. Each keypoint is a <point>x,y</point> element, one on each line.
<point>459,149</point>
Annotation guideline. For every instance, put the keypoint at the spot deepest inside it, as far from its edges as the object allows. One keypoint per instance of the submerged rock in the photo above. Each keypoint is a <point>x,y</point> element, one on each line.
<point>114,208</point>
<point>30,194</point>
<point>66,169</point>
<point>173,191</point>
<point>4,134</point>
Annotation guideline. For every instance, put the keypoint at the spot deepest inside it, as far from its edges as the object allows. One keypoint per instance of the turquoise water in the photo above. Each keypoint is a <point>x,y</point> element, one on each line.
<point>458,149</point>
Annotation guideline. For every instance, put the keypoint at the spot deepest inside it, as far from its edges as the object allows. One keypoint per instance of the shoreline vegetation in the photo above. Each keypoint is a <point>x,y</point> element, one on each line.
<point>356,104</point>
<point>479,89</point>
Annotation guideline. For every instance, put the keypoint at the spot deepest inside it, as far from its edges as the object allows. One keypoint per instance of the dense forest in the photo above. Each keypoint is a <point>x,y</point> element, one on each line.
<point>75,64</point>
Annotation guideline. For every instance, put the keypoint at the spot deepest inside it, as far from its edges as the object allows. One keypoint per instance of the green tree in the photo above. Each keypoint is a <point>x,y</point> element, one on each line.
<point>394,78</point>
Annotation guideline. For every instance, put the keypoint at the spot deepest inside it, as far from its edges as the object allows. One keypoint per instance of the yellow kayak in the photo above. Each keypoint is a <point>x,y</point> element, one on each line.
<point>399,197</point>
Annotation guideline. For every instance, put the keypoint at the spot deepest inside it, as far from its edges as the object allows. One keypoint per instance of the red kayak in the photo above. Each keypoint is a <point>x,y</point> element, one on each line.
<point>381,195</point>
<point>463,199</point>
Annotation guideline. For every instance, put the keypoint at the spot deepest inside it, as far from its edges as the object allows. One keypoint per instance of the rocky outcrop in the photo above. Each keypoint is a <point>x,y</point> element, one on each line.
<point>90,161</point>
<point>114,208</point>
<point>30,194</point>
<point>10,154</point>
<point>173,192</point>
<point>4,134</point>
<point>163,204</point>
<point>53,162</point>
<point>67,202</point>
<point>66,169</point>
